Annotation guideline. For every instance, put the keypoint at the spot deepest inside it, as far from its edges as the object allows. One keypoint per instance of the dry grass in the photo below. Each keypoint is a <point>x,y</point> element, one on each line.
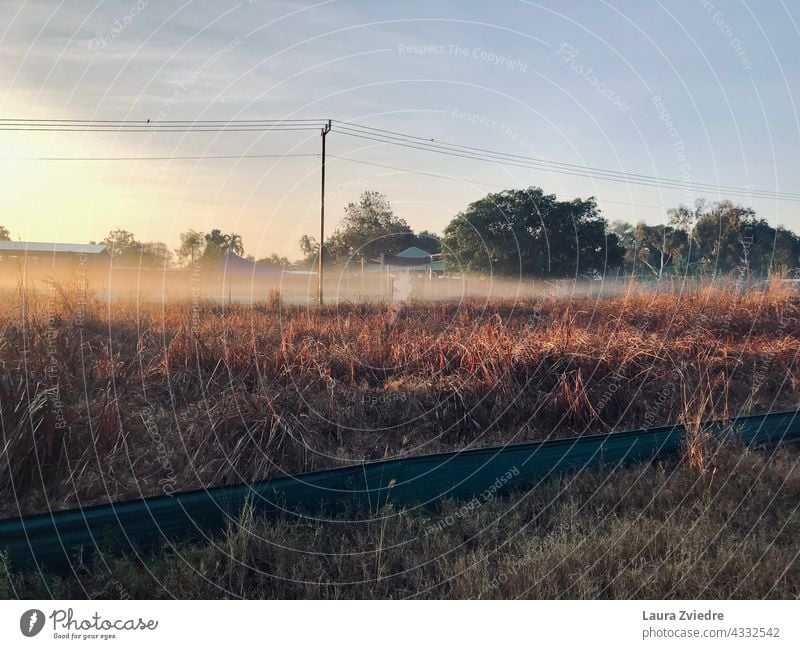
<point>668,530</point>
<point>104,402</point>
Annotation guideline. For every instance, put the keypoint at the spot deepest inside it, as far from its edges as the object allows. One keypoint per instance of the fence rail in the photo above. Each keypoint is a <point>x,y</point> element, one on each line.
<point>56,540</point>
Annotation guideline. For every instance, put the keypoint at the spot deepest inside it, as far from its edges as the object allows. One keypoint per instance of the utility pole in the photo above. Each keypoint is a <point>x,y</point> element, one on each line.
<point>324,132</point>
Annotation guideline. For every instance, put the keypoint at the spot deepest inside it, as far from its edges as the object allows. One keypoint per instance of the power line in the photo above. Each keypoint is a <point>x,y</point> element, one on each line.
<point>550,163</point>
<point>177,157</point>
<point>533,163</point>
<point>279,156</point>
<point>160,126</point>
<point>467,180</point>
<point>134,122</point>
<point>382,136</point>
<point>148,129</point>
<point>414,171</point>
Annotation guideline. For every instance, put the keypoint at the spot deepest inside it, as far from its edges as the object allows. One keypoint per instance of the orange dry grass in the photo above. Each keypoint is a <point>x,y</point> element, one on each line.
<point>137,399</point>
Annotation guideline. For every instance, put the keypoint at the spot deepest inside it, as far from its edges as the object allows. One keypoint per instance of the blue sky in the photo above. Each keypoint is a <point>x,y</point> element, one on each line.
<point>588,83</point>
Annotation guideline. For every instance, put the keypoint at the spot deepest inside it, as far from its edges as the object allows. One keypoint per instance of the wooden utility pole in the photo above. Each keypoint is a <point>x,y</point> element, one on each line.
<point>324,132</point>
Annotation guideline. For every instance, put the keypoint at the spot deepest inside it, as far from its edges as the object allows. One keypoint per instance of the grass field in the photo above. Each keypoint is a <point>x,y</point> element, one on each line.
<point>106,402</point>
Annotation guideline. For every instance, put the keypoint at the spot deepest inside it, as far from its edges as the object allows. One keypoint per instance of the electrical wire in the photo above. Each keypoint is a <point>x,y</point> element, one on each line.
<point>468,180</point>
<point>380,136</point>
<point>129,122</point>
<point>549,163</point>
<point>161,126</point>
<point>604,175</point>
<point>160,130</point>
<point>172,157</point>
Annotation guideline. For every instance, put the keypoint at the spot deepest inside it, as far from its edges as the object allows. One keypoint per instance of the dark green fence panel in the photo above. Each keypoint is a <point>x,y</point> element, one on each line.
<point>55,540</point>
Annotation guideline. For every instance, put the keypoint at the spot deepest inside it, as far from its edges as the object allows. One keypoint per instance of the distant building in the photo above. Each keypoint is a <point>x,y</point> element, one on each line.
<point>234,267</point>
<point>243,279</point>
<point>29,261</point>
<point>410,260</point>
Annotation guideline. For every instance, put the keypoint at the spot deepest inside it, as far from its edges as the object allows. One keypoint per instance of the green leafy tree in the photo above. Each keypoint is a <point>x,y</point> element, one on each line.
<point>5,233</point>
<point>429,241</point>
<point>717,236</point>
<point>531,233</point>
<point>624,233</point>
<point>217,244</point>
<point>126,250</point>
<point>728,237</point>
<point>308,245</point>
<point>725,238</point>
<point>685,218</point>
<point>191,246</point>
<point>233,243</point>
<point>660,248</point>
<point>368,229</point>
<point>121,243</point>
<point>214,249</point>
<point>215,240</point>
<point>786,255</point>
<point>155,253</point>
<point>310,249</point>
<point>274,261</point>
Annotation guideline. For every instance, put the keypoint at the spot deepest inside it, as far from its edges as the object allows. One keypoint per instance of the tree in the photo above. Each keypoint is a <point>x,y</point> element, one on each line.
<point>121,242</point>
<point>530,233</point>
<point>212,254</point>
<point>728,236</point>
<point>308,245</point>
<point>215,241</point>
<point>725,237</point>
<point>155,253</point>
<point>233,243</point>
<point>310,249</point>
<point>191,246</point>
<point>274,261</point>
<point>786,253</point>
<point>124,247</point>
<point>429,242</point>
<point>624,233</point>
<point>685,218</point>
<point>217,244</point>
<point>5,233</point>
<point>368,229</point>
<point>659,247</point>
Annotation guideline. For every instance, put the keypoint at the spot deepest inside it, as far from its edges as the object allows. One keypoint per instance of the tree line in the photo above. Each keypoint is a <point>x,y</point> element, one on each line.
<point>530,233</point>
<point>515,232</point>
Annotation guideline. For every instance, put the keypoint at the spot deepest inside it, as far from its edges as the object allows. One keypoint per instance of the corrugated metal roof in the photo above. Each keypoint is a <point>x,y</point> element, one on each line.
<point>413,252</point>
<point>44,247</point>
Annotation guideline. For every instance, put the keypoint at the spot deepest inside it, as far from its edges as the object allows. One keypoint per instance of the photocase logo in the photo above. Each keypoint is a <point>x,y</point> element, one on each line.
<point>31,622</point>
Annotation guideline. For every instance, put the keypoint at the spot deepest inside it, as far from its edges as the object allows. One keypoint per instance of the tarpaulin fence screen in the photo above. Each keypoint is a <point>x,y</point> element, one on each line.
<point>59,539</point>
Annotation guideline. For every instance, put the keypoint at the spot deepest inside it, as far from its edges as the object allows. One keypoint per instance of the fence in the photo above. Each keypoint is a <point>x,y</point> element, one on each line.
<point>55,540</point>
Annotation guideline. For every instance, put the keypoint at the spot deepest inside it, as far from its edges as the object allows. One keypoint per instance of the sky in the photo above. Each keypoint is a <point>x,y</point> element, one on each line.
<point>692,90</point>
